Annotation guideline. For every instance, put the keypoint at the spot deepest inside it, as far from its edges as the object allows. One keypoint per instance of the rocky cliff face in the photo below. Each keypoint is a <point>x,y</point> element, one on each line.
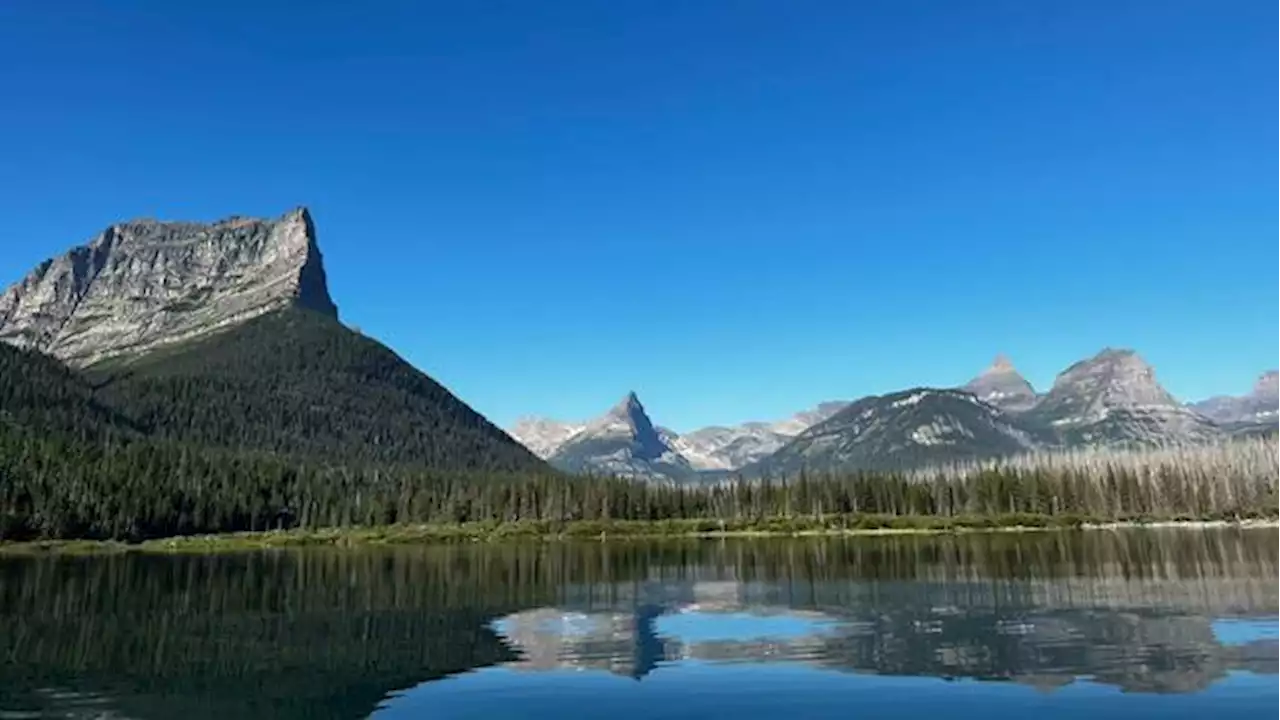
<point>1114,398</point>
<point>1001,385</point>
<point>143,284</point>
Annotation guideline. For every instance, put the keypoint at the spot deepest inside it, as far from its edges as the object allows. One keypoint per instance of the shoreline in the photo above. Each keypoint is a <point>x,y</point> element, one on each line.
<point>620,531</point>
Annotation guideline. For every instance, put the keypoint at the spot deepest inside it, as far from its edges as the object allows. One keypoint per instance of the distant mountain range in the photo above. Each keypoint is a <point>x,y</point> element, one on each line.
<point>223,335</point>
<point>1110,399</point>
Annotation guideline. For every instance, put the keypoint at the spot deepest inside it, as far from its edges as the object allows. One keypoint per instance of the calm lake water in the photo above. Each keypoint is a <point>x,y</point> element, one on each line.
<point>1132,624</point>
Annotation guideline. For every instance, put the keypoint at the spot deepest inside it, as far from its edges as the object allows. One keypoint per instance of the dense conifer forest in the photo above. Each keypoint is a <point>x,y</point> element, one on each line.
<point>292,421</point>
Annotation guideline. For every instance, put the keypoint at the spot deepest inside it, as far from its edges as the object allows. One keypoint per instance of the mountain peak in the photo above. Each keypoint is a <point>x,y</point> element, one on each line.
<point>1001,364</point>
<point>1114,377</point>
<point>629,403</point>
<point>624,442</point>
<point>1002,386</point>
<point>145,283</point>
<point>1114,397</point>
<point>1268,384</point>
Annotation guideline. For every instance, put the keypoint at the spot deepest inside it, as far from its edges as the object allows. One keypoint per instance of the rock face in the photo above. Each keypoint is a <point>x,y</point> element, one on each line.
<point>1114,398</point>
<point>1002,386</point>
<point>1259,406</point>
<point>625,443</point>
<point>143,284</point>
<point>912,428</point>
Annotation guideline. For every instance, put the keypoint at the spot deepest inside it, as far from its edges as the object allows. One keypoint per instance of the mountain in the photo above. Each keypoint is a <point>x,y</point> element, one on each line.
<point>736,446</point>
<point>625,443</point>
<point>543,436</point>
<point>294,381</point>
<point>911,428</point>
<point>1259,406</point>
<point>1114,398</point>
<point>1002,386</point>
<point>40,395</point>
<point>224,335</point>
<point>715,448</point>
<point>144,284</point>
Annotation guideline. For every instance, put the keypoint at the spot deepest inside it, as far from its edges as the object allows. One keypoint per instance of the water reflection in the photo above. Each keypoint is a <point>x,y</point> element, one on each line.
<point>333,634</point>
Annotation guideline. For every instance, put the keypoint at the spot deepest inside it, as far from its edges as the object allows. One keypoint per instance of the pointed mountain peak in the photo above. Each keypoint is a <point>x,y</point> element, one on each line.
<point>1002,386</point>
<point>1002,364</point>
<point>630,401</point>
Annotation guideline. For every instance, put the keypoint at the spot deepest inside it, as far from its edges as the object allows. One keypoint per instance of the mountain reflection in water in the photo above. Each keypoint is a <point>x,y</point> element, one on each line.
<point>340,634</point>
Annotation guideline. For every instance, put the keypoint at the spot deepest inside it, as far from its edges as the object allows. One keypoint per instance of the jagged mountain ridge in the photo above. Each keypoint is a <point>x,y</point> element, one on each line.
<point>142,284</point>
<point>1112,398</point>
<point>715,448</point>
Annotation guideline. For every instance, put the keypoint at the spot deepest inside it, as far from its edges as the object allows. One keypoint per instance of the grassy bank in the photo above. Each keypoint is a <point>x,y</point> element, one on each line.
<point>603,530</point>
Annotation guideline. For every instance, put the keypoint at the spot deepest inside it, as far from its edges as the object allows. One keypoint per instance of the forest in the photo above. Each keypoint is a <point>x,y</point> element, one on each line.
<point>60,488</point>
<point>293,422</point>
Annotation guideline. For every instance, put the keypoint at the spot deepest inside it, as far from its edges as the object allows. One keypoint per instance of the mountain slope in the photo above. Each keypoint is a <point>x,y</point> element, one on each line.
<point>1001,385</point>
<point>1113,398</point>
<point>298,382</point>
<point>143,284</point>
<point>39,394</point>
<point>911,428</point>
<point>625,443</point>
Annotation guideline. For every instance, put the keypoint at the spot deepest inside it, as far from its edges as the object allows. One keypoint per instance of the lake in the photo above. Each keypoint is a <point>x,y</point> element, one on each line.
<point>1099,624</point>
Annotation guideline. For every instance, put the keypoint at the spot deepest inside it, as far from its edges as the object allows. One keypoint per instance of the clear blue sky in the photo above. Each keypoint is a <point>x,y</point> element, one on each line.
<point>735,208</point>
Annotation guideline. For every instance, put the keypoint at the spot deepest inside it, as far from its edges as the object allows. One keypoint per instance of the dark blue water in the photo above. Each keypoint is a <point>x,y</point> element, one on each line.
<point>1155,623</point>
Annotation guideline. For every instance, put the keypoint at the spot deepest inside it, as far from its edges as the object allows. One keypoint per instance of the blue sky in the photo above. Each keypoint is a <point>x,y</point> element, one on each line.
<point>735,209</point>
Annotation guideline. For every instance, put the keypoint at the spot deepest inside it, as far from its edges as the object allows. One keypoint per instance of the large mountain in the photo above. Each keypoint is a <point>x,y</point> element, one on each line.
<point>1113,398</point>
<point>1259,406</point>
<point>911,428</point>
<point>623,442</point>
<point>223,335</point>
<point>143,284</point>
<point>1002,386</point>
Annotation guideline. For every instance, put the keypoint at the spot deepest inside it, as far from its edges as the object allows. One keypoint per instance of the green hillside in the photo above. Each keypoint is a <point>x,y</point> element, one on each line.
<point>299,383</point>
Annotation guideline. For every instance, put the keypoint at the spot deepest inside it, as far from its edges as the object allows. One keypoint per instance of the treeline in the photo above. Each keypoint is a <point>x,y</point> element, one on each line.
<point>54,487</point>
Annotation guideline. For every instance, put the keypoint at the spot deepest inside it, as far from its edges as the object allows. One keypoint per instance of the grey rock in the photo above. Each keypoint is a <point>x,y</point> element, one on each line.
<point>1114,398</point>
<point>907,429</point>
<point>1259,406</point>
<point>144,284</point>
<point>624,443</point>
<point>736,446</point>
<point>1002,386</point>
<point>715,448</point>
<point>543,436</point>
